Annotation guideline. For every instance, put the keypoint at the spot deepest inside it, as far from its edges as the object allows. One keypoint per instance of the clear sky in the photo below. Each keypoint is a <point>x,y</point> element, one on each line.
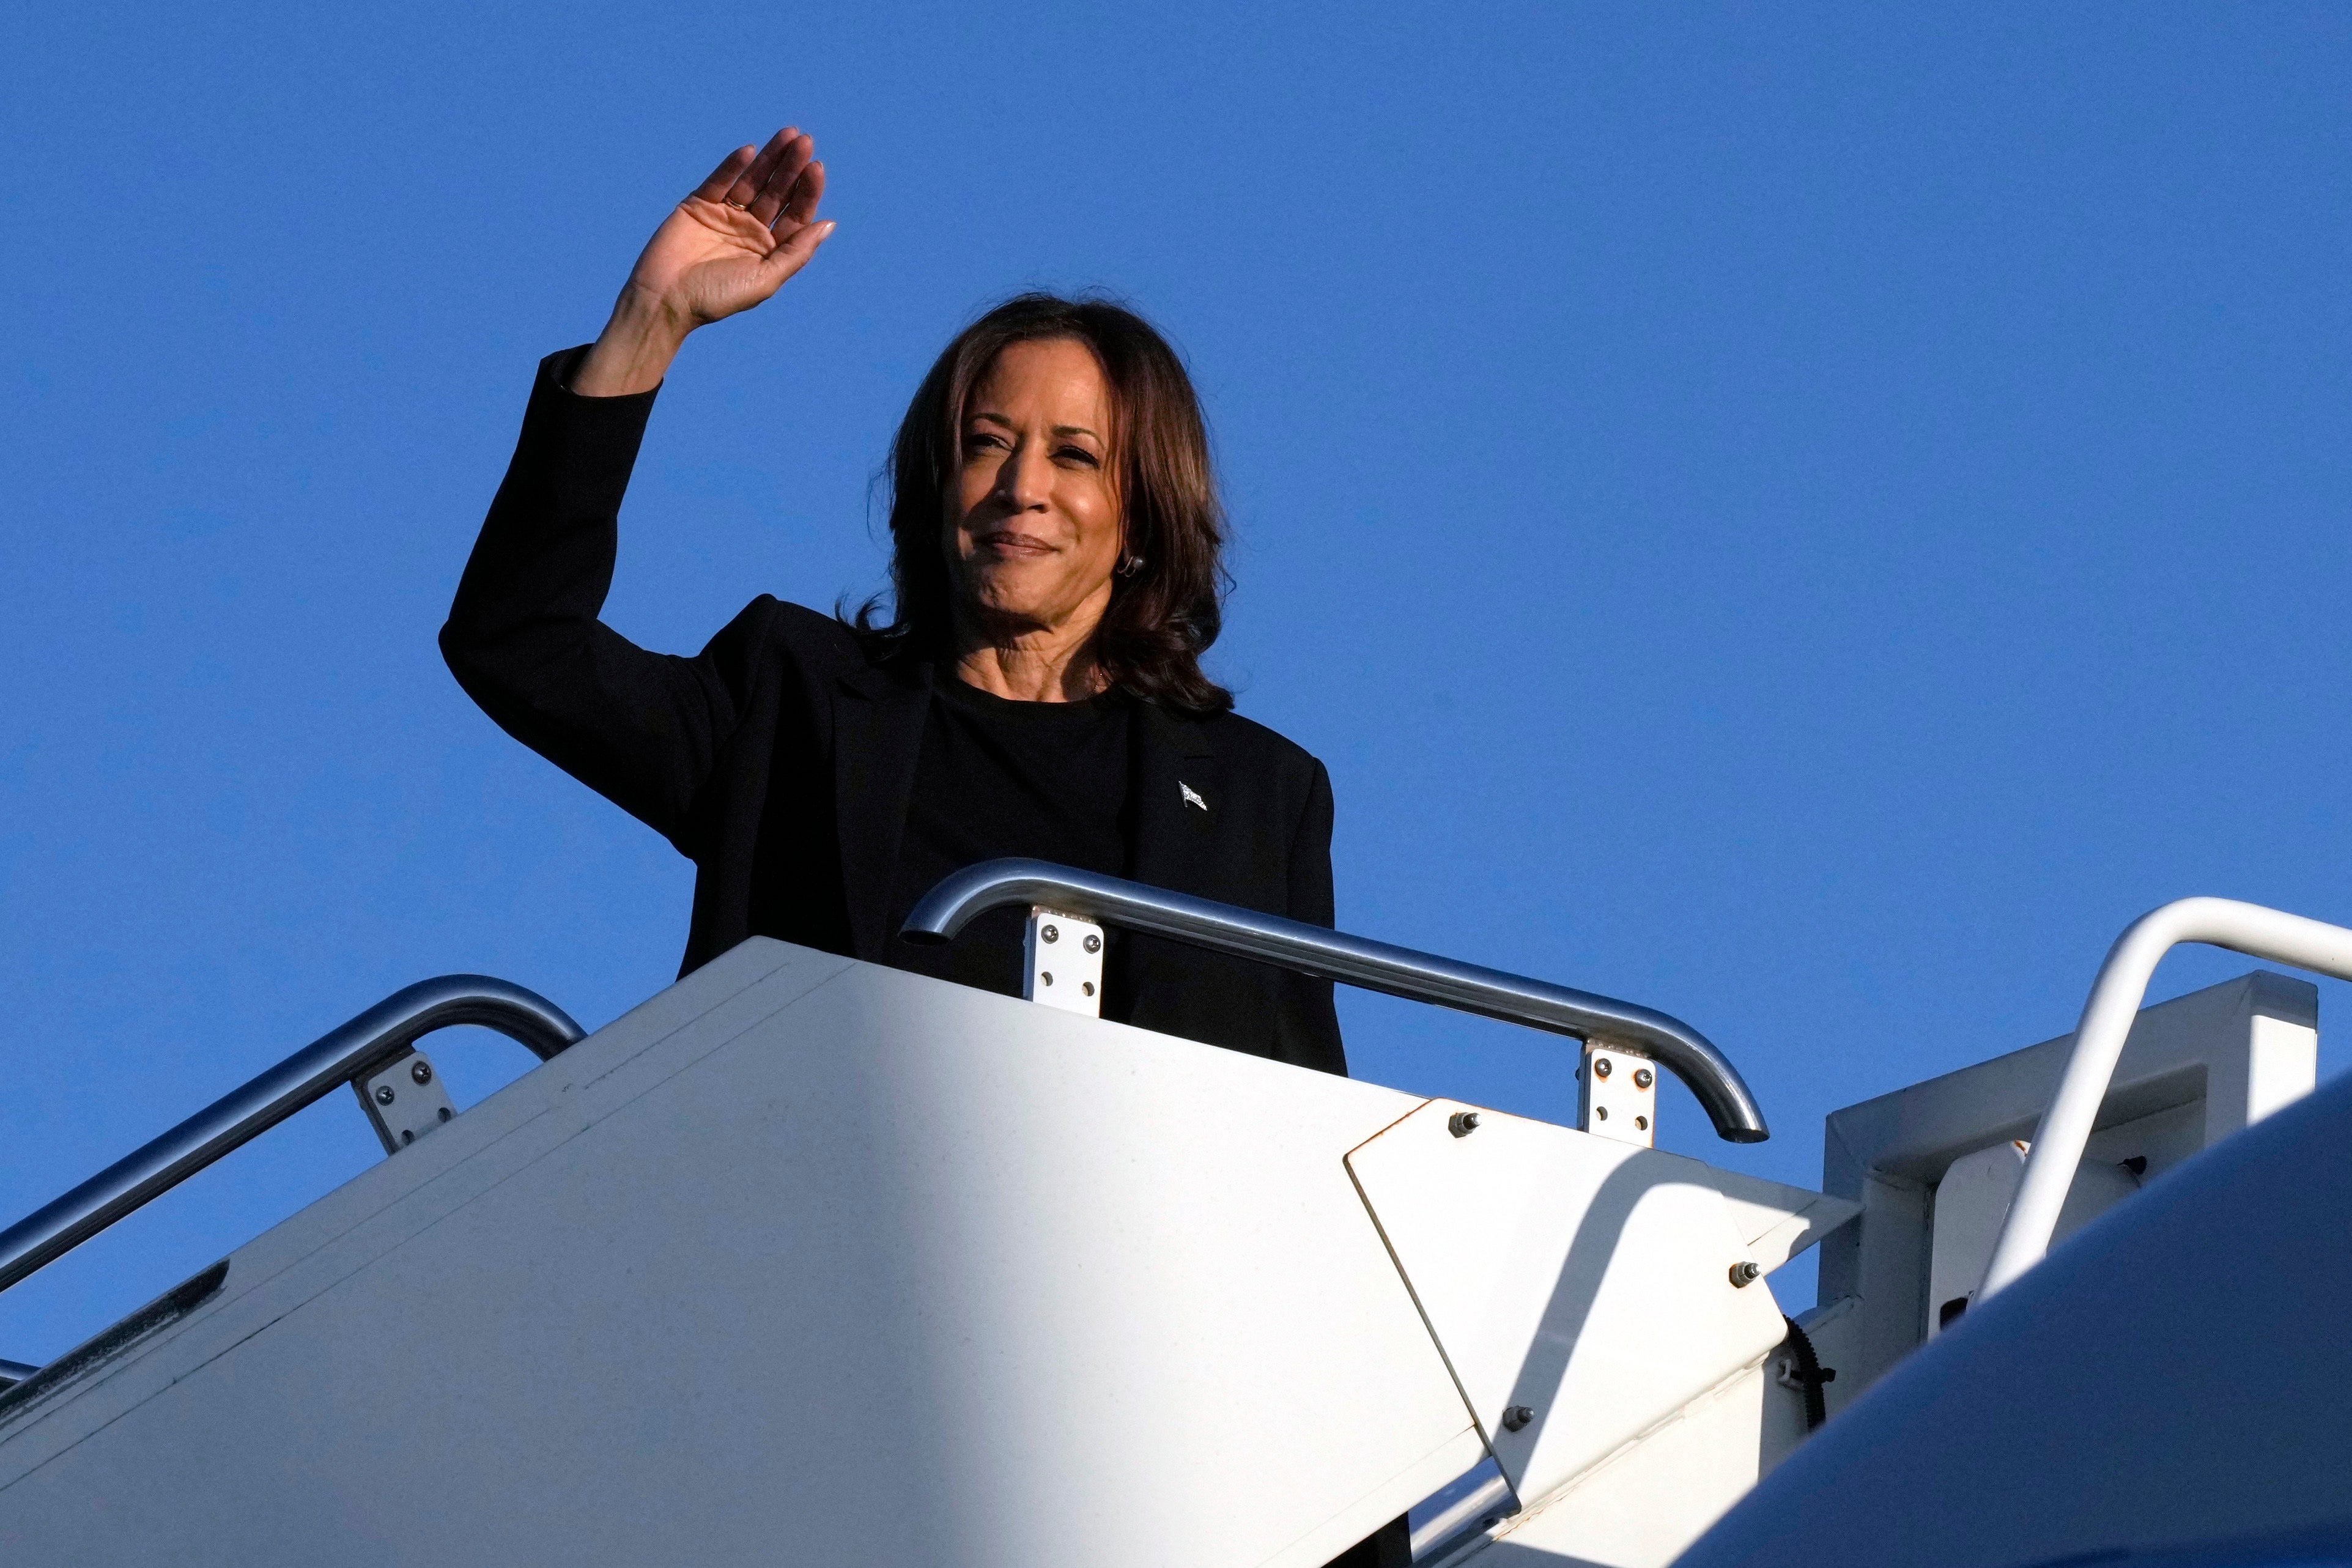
<point>1810,517</point>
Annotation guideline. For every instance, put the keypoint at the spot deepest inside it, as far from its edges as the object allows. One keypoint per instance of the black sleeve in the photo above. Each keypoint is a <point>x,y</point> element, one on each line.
<point>1311,1012</point>
<point>523,639</point>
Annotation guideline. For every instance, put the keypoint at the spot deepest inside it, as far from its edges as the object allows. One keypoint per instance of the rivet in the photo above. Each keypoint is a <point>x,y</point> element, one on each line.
<point>407,1136</point>
<point>1051,933</point>
<point>1642,1122</point>
<point>1744,1273</point>
<point>383,1094</point>
<point>1516,1417</point>
<point>1601,1111</point>
<point>1462,1124</point>
<point>1600,1066</point>
<point>1046,975</point>
<point>1087,986</point>
<point>1093,944</point>
<point>421,1070</point>
<point>1643,1078</point>
<point>444,1113</point>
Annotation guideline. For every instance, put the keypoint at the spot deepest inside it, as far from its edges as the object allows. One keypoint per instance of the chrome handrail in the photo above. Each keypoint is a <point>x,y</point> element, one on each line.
<point>1327,954</point>
<point>326,1064</point>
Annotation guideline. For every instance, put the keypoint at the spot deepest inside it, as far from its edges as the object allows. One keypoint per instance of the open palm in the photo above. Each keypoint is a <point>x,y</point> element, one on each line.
<point>732,243</point>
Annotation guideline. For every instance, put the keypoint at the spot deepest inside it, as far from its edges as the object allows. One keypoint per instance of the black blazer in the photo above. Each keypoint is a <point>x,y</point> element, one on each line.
<point>780,759</point>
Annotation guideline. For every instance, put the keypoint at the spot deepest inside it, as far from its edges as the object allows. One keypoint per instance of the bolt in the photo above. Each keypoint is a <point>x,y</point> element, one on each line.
<point>1462,1124</point>
<point>1516,1417</point>
<point>1643,1078</point>
<point>383,1094</point>
<point>1744,1273</point>
<point>1600,1066</point>
<point>1093,944</point>
<point>1051,933</point>
<point>421,1070</point>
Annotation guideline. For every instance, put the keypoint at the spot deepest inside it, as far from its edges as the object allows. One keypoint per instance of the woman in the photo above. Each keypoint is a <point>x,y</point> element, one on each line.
<point>1057,562</point>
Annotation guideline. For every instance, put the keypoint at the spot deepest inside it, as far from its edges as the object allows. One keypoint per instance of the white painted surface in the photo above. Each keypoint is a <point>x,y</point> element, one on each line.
<point>1617,1096</point>
<point>804,1258</point>
<point>1584,1279</point>
<point>1063,962</point>
<point>2281,1068</point>
<point>1970,1202</point>
<point>2183,1083</point>
<point>1643,1506</point>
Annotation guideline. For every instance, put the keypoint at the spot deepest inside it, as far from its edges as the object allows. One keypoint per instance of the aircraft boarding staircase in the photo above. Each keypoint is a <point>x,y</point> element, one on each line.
<point>809,1259</point>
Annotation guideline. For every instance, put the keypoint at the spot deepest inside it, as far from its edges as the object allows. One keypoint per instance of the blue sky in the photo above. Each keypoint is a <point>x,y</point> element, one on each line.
<point>1807,516</point>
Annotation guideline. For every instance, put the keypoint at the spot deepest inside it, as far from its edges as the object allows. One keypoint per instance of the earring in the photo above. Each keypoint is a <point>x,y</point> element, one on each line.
<point>1129,565</point>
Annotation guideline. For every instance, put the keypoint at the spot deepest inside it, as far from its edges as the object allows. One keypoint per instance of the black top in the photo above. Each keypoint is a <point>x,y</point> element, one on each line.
<point>998,777</point>
<point>781,758</point>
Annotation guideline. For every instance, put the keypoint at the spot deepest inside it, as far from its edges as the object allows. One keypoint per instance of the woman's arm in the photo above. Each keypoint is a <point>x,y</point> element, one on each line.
<point>523,637</point>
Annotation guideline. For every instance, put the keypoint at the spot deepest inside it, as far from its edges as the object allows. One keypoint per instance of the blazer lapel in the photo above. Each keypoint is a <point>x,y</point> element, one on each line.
<point>1176,790</point>
<point>878,738</point>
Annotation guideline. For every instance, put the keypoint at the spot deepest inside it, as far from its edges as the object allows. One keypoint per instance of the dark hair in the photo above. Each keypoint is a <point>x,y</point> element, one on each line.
<point>1164,617</point>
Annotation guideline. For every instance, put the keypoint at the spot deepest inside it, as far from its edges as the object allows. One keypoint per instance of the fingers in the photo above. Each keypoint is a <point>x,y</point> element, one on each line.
<point>800,206</point>
<point>746,187</point>
<point>795,252</point>
<point>792,161</point>
<point>729,168</point>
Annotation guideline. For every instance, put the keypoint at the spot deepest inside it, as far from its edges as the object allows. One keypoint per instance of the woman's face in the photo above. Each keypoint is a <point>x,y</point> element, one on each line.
<point>1037,525</point>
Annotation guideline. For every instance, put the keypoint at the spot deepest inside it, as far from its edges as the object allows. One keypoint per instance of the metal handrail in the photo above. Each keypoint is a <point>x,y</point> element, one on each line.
<point>2116,996</point>
<point>334,1059</point>
<point>1327,954</point>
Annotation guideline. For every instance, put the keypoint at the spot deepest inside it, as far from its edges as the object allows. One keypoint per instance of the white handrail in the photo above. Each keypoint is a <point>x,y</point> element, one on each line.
<point>2114,1001</point>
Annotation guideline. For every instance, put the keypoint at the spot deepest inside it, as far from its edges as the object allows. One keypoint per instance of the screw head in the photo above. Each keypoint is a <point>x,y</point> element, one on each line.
<point>1093,944</point>
<point>383,1094</point>
<point>1462,1124</point>
<point>1049,932</point>
<point>421,1070</point>
<point>1602,1066</point>
<point>1643,1078</point>
<point>1516,1417</point>
<point>1744,1273</point>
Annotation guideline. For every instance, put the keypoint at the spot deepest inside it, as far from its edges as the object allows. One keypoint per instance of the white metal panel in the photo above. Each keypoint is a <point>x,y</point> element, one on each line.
<point>1645,1504</point>
<point>806,1259</point>
<point>1972,1199</point>
<point>1775,1222</point>
<point>1584,1282</point>
<point>2282,1065</point>
<point>2184,1083</point>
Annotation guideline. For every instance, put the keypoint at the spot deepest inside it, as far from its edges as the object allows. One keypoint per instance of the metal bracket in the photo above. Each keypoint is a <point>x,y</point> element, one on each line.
<point>1063,960</point>
<point>1617,1095</point>
<point>404,1099</point>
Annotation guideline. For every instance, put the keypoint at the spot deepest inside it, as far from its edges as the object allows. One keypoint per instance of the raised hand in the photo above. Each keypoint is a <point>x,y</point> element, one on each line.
<point>727,247</point>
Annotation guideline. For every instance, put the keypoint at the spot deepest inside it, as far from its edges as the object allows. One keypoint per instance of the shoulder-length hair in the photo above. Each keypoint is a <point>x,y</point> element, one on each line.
<point>1165,613</point>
